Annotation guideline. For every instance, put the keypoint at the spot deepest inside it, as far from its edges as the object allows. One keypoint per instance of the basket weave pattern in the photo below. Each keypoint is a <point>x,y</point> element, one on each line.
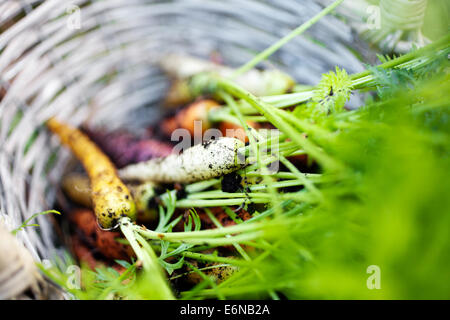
<point>94,62</point>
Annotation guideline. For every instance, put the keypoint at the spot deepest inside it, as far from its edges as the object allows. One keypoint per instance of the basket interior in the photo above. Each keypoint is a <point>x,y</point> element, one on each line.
<point>95,63</point>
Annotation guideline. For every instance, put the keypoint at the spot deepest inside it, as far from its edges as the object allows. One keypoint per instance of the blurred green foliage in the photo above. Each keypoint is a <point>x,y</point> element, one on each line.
<point>437,19</point>
<point>391,210</point>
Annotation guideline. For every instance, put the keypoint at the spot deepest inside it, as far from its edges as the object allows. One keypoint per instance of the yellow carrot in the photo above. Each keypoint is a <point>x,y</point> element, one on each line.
<point>111,198</point>
<point>77,187</point>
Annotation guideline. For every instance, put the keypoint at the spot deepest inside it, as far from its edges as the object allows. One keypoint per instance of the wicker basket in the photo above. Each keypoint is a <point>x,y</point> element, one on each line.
<point>95,62</point>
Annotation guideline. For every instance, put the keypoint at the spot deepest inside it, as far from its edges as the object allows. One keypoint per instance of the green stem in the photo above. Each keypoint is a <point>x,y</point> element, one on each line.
<point>189,203</point>
<point>224,241</point>
<point>214,258</point>
<point>205,278</point>
<point>202,234</point>
<point>216,266</point>
<point>107,291</point>
<point>227,195</point>
<point>286,100</point>
<point>25,223</point>
<point>316,177</point>
<point>433,47</point>
<point>145,253</point>
<point>414,59</point>
<point>300,176</point>
<point>241,252</point>
<point>278,101</point>
<point>271,114</point>
<point>219,194</point>
<point>305,126</point>
<point>296,32</point>
<point>202,185</point>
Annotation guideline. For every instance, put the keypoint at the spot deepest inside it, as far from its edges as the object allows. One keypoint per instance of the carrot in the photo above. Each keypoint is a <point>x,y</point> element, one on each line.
<point>124,148</point>
<point>111,198</point>
<point>211,159</point>
<point>85,255</point>
<point>186,117</point>
<point>183,68</point>
<point>198,111</point>
<point>233,130</point>
<point>104,242</point>
<point>77,187</point>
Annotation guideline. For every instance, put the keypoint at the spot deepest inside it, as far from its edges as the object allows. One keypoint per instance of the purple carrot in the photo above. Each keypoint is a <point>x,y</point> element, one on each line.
<point>124,148</point>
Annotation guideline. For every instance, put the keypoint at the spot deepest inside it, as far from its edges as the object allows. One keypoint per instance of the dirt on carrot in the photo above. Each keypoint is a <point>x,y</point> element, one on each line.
<point>111,198</point>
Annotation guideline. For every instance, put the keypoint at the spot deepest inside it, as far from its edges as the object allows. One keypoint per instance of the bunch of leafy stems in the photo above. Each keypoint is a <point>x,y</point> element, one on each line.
<point>241,107</point>
<point>293,129</point>
<point>292,136</point>
<point>134,234</point>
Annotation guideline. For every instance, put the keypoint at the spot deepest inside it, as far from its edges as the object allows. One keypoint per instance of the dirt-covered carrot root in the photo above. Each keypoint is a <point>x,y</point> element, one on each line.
<point>211,159</point>
<point>111,198</point>
<point>101,241</point>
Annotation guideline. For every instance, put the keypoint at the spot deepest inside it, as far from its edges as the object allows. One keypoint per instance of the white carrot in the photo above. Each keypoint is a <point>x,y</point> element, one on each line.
<point>211,159</point>
<point>258,82</point>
